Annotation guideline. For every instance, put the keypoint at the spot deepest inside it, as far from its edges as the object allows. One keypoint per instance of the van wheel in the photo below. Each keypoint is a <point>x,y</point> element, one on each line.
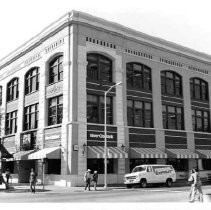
<point>143,183</point>
<point>169,182</point>
<point>129,186</point>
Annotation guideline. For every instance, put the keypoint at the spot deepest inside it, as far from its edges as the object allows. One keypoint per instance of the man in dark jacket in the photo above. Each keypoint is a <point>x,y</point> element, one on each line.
<point>94,179</point>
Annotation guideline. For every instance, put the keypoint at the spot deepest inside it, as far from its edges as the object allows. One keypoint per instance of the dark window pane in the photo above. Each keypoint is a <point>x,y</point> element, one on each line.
<point>99,68</point>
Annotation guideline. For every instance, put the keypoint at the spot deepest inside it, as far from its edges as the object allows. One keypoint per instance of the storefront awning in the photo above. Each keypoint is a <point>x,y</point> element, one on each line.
<point>181,154</point>
<point>4,153</point>
<point>50,153</point>
<point>98,152</point>
<point>206,154</point>
<point>136,152</point>
<point>22,155</point>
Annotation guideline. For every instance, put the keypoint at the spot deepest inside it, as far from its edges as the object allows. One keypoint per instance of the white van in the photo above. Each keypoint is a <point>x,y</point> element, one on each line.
<point>145,174</point>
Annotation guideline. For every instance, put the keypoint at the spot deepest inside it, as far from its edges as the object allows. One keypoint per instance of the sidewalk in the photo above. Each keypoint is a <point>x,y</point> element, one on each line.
<point>24,187</point>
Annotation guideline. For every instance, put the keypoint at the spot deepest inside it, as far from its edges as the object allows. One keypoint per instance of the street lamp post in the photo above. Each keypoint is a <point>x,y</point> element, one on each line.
<point>105,134</point>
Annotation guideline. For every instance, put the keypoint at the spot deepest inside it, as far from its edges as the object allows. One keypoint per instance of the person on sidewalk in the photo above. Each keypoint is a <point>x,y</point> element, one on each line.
<point>32,180</point>
<point>95,179</point>
<point>196,186</point>
<point>87,179</point>
<point>3,181</point>
<point>7,174</point>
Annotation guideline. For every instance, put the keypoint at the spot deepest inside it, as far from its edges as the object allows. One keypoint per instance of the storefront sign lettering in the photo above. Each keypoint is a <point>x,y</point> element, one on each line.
<point>52,137</point>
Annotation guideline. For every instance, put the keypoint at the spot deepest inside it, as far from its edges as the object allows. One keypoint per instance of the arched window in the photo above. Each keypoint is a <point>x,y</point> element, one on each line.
<point>138,76</point>
<point>199,89</point>
<point>99,68</point>
<point>56,69</point>
<point>32,80</point>
<point>12,90</point>
<point>171,83</point>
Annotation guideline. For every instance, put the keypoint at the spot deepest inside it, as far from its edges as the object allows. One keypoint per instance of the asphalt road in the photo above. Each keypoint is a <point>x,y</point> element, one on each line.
<point>156,194</point>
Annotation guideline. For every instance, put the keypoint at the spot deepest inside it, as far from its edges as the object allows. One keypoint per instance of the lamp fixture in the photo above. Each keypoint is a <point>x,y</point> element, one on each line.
<point>84,148</point>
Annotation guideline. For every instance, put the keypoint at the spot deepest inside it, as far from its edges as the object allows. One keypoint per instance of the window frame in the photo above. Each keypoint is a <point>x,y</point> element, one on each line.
<point>167,81</point>
<point>13,89</point>
<point>100,109</point>
<point>11,122</point>
<point>131,117</point>
<point>58,105</point>
<point>55,64</point>
<point>99,61</point>
<point>198,83</point>
<point>138,82</point>
<point>166,114</point>
<point>28,117</point>
<point>29,79</point>
<point>195,118</point>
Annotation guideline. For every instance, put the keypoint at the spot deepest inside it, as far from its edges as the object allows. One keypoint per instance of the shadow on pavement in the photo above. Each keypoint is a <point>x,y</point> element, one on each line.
<point>23,190</point>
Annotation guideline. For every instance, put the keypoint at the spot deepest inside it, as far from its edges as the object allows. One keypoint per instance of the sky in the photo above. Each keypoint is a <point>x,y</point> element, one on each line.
<point>185,22</point>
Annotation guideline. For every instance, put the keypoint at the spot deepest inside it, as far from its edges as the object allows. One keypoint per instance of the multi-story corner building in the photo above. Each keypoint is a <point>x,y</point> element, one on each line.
<point>53,101</point>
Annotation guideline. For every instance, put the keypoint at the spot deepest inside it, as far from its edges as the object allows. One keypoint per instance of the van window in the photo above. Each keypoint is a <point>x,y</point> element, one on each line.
<point>138,169</point>
<point>149,169</point>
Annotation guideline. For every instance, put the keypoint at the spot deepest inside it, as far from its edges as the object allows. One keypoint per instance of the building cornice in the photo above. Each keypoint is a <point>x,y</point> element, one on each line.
<point>114,28</point>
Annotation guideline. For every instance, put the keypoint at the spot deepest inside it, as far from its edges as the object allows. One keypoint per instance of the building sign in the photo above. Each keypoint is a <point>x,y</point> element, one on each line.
<point>95,135</point>
<point>52,137</point>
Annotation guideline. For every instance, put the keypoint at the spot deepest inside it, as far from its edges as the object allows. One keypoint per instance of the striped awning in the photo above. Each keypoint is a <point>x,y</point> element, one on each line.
<point>181,154</point>
<point>4,152</point>
<point>22,155</point>
<point>50,153</point>
<point>206,154</point>
<point>136,152</point>
<point>98,152</point>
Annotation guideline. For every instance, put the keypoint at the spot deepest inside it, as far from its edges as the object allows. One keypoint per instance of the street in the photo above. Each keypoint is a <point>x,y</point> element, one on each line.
<point>79,195</point>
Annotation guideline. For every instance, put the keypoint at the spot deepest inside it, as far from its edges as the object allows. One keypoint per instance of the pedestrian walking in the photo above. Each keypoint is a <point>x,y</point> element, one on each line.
<point>196,186</point>
<point>87,179</point>
<point>7,174</point>
<point>3,181</point>
<point>32,180</point>
<point>95,179</point>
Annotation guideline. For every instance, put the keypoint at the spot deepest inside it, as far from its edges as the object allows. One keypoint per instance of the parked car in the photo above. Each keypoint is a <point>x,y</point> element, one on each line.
<point>150,174</point>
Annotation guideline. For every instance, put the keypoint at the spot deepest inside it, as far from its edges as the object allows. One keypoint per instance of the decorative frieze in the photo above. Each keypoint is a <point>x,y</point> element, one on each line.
<point>54,45</point>
<point>100,42</point>
<point>54,90</point>
<point>32,59</point>
<point>139,53</point>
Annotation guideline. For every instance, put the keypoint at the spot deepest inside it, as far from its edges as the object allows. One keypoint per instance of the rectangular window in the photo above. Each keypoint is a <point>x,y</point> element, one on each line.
<point>139,113</point>
<point>31,114</point>
<point>95,109</point>
<point>11,122</point>
<point>200,120</point>
<point>173,117</point>
<point>55,111</point>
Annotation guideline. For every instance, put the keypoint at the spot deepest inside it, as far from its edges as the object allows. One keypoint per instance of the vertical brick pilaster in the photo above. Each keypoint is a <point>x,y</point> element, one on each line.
<point>82,128</point>
<point>187,113</point>
<point>66,105</point>
<point>157,109</point>
<point>42,106</point>
<point>3,110</point>
<point>20,110</point>
<point>119,109</point>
